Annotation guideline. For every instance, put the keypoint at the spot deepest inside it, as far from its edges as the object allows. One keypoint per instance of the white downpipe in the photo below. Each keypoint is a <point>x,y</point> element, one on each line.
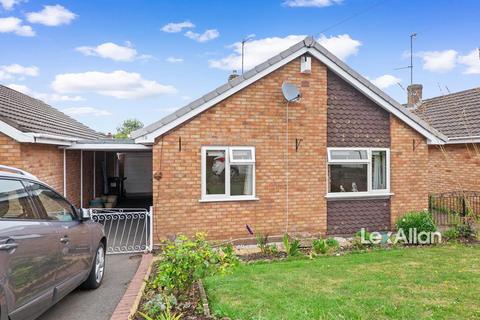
<point>151,230</point>
<point>64,173</point>
<point>81,178</point>
<point>287,174</point>
<point>94,184</point>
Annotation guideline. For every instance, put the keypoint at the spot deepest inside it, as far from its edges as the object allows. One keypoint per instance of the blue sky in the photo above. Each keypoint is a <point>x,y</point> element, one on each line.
<point>106,61</point>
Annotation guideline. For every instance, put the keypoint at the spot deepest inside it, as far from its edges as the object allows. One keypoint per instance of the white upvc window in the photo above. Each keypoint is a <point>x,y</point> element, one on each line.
<point>228,173</point>
<point>356,172</point>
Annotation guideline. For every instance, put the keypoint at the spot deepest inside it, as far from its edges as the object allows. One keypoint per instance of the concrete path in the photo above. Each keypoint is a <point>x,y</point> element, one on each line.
<point>97,304</point>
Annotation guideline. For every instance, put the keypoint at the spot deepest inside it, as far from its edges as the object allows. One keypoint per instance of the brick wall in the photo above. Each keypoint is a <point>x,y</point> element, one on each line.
<point>408,169</point>
<point>454,168</point>
<point>255,116</point>
<point>46,162</point>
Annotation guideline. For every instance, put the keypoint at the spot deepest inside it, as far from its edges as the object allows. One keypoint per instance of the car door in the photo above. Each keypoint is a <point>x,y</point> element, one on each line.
<point>76,253</point>
<point>28,253</point>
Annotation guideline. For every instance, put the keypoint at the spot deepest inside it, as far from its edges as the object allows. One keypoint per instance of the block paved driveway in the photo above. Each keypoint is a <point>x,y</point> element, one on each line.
<point>97,304</point>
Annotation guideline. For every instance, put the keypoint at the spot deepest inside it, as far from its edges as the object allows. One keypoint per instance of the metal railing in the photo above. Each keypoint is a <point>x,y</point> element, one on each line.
<point>454,207</point>
<point>127,230</point>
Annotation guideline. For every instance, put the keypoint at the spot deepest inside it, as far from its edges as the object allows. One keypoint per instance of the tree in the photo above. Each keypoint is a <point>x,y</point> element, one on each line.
<point>127,127</point>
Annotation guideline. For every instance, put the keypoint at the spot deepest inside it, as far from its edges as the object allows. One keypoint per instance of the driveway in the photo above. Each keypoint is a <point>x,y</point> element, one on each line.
<point>97,304</point>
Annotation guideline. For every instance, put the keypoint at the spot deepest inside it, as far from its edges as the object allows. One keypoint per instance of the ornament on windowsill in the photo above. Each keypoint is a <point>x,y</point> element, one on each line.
<point>354,187</point>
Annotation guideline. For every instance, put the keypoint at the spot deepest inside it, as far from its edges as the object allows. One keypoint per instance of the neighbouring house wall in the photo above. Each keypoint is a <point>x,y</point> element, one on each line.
<point>255,116</point>
<point>408,169</point>
<point>454,168</point>
<point>353,120</point>
<point>46,162</point>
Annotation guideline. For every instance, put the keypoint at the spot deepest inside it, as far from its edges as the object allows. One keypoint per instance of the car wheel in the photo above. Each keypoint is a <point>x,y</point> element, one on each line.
<point>97,272</point>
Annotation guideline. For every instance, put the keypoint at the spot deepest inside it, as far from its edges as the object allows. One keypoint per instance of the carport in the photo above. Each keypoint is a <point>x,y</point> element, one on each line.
<point>116,186</point>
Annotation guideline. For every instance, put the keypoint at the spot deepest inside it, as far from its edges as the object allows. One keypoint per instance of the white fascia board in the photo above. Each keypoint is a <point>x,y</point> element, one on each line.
<point>150,137</point>
<point>15,134</point>
<point>109,147</point>
<point>463,141</point>
<point>432,139</point>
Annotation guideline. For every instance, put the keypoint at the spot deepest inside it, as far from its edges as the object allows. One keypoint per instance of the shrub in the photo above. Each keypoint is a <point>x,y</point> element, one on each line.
<point>332,243</point>
<point>319,246</point>
<point>451,233</point>
<point>324,246</point>
<point>184,261</point>
<point>292,246</point>
<point>422,221</point>
<point>157,305</point>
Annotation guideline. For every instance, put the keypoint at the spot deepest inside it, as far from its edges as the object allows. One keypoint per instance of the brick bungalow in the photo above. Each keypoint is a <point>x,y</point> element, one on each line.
<point>42,140</point>
<point>342,157</point>
<point>356,158</point>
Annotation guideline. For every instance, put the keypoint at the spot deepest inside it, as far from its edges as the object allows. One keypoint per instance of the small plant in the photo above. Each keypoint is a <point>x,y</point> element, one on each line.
<point>320,246</point>
<point>262,242</point>
<point>332,243</point>
<point>360,243</point>
<point>291,245</point>
<point>451,234</point>
<point>160,308</point>
<point>422,221</point>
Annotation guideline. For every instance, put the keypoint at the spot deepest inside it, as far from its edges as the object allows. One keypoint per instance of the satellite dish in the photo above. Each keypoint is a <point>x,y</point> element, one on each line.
<point>290,92</point>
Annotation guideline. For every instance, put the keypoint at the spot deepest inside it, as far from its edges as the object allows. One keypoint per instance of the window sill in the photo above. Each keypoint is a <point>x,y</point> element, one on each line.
<point>229,199</point>
<point>360,196</point>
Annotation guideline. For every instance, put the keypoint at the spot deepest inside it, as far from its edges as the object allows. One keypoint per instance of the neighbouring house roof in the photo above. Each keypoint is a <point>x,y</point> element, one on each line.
<point>30,115</point>
<point>456,115</point>
<point>308,45</point>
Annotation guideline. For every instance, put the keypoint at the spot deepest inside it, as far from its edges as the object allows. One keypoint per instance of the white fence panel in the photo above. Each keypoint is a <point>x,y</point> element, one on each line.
<point>127,230</point>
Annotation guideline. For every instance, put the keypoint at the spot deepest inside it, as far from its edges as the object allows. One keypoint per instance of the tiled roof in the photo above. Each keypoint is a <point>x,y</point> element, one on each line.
<point>28,114</point>
<point>308,42</point>
<point>455,115</point>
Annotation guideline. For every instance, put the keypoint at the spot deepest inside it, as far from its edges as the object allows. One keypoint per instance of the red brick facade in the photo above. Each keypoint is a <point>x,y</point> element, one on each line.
<point>46,162</point>
<point>454,168</point>
<point>408,169</point>
<point>255,116</point>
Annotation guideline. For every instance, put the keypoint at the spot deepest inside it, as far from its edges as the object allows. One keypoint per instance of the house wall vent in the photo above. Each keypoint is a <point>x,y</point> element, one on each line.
<point>305,64</point>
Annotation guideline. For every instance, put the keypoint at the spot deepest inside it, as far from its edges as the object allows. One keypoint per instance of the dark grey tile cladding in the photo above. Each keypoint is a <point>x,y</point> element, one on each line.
<point>353,120</point>
<point>347,217</point>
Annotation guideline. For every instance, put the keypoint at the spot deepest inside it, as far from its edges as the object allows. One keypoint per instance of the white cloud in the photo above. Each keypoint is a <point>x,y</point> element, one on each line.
<point>52,16</point>
<point>260,50</point>
<point>174,27</point>
<point>47,97</point>
<point>110,50</point>
<point>472,61</point>
<point>16,69</point>
<point>9,4</point>
<point>119,84</point>
<point>438,61</point>
<point>208,35</point>
<point>20,88</point>
<point>174,60</point>
<point>386,81</point>
<point>86,111</point>
<point>342,46</point>
<point>15,25</point>
<point>310,3</point>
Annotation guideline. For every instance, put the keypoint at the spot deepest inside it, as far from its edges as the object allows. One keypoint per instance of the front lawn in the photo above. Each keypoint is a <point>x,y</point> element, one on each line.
<point>415,283</point>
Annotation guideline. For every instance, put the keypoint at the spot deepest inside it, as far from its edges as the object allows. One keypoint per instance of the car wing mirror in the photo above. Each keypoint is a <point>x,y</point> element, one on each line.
<point>84,214</point>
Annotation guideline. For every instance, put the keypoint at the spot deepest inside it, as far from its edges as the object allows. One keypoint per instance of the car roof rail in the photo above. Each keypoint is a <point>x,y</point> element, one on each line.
<point>18,171</point>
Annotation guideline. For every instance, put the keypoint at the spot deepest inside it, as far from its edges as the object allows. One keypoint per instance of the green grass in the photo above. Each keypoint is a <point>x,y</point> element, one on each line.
<point>417,283</point>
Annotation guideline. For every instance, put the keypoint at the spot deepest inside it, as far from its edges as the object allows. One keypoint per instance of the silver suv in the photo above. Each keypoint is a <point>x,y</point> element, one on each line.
<point>47,246</point>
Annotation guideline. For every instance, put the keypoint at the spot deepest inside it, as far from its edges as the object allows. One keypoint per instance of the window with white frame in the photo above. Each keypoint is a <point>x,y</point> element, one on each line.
<point>228,173</point>
<point>357,171</point>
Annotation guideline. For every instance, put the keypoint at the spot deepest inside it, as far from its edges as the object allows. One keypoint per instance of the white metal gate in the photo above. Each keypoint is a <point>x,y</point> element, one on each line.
<point>127,230</point>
